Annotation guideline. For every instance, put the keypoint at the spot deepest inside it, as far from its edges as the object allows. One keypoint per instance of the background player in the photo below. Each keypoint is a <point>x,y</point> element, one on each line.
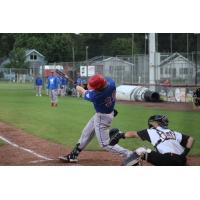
<point>196,98</point>
<point>38,86</point>
<point>52,85</point>
<point>171,147</point>
<point>101,93</point>
<point>64,82</point>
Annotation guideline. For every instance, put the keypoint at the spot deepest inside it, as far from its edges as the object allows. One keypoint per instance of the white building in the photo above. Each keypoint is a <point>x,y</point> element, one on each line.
<point>120,70</point>
<point>177,67</point>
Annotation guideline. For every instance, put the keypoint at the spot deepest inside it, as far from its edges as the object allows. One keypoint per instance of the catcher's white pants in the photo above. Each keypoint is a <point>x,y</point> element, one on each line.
<point>54,96</point>
<point>99,124</point>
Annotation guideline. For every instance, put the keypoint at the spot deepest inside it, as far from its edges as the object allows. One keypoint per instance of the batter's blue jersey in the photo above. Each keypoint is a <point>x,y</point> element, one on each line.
<point>104,100</point>
<point>52,83</point>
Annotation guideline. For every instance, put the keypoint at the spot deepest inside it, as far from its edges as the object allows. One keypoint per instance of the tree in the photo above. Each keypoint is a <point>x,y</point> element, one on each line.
<point>17,59</point>
<point>6,43</point>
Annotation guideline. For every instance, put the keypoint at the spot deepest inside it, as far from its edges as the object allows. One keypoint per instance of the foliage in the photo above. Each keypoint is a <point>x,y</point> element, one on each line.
<point>17,59</point>
<point>57,47</point>
<point>2,142</point>
<point>1,74</point>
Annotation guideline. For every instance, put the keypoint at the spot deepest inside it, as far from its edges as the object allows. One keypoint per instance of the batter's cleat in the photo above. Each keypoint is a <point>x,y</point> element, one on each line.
<point>70,158</point>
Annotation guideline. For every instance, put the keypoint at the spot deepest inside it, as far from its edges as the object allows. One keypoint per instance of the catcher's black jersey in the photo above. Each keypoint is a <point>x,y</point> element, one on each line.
<point>165,140</point>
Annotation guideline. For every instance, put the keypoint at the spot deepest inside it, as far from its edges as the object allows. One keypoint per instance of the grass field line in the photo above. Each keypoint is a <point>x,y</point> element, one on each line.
<point>25,149</point>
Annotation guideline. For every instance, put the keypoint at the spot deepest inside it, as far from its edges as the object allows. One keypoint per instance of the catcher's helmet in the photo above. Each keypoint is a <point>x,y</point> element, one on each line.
<point>161,119</point>
<point>97,82</point>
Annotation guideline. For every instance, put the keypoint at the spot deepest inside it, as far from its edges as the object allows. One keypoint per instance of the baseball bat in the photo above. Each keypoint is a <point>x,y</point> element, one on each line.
<point>64,75</point>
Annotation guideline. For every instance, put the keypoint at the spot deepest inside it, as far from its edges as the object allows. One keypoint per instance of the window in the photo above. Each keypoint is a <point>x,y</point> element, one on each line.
<point>185,70</point>
<point>174,72</point>
<point>33,57</point>
<point>161,71</point>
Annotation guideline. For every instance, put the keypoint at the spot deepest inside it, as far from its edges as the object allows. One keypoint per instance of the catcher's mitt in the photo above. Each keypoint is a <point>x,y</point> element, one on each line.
<point>196,97</point>
<point>115,135</point>
<point>115,112</point>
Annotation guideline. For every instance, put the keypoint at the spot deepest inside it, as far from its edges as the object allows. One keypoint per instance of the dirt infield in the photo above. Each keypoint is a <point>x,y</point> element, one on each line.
<point>22,149</point>
<point>165,105</point>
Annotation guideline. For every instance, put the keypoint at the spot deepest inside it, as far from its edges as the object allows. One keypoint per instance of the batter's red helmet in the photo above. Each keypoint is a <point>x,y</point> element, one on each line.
<point>97,82</point>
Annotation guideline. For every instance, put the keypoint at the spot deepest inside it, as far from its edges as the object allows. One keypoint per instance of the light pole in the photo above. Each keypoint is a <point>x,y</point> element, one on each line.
<point>132,49</point>
<point>86,58</point>
<point>196,66</point>
<point>171,43</point>
<point>73,55</point>
<point>145,52</point>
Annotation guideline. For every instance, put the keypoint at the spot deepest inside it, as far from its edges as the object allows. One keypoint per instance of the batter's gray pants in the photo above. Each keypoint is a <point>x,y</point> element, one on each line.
<point>99,124</point>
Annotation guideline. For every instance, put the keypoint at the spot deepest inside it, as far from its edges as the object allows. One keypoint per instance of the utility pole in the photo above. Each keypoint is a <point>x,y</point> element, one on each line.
<point>133,66</point>
<point>86,58</point>
<point>152,55</point>
<point>196,49</point>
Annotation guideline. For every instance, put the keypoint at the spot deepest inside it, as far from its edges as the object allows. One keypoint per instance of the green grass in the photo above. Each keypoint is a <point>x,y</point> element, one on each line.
<point>19,106</point>
<point>2,143</point>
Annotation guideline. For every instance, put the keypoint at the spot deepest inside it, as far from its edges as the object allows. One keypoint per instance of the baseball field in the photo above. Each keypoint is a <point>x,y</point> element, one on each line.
<point>33,133</point>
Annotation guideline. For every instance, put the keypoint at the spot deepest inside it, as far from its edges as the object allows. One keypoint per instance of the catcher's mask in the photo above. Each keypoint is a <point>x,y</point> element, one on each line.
<point>161,119</point>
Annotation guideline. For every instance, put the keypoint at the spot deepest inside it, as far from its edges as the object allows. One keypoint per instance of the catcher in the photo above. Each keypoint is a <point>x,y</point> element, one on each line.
<point>196,98</point>
<point>171,147</point>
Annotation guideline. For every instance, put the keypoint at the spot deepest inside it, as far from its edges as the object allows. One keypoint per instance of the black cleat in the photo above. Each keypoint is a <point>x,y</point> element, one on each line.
<point>70,158</point>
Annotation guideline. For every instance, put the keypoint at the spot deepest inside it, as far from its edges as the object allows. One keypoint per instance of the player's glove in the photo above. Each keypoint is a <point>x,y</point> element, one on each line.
<point>115,112</point>
<point>115,135</point>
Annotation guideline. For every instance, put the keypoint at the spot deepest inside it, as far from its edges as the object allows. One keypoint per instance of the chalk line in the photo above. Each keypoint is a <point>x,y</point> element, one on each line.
<point>25,149</point>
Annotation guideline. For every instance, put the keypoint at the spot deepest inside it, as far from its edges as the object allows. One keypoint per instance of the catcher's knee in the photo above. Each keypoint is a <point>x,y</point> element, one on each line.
<point>143,152</point>
<point>137,156</point>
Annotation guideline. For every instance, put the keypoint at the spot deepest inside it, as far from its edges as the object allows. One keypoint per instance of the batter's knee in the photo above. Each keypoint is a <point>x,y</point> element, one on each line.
<point>106,147</point>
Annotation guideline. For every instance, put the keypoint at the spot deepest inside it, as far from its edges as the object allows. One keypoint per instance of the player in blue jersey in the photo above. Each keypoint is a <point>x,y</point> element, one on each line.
<point>63,86</point>
<point>79,82</point>
<point>52,85</point>
<point>101,92</point>
<point>38,86</point>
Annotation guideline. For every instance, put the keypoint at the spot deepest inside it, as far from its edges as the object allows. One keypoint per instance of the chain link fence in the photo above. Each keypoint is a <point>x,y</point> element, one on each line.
<point>174,73</point>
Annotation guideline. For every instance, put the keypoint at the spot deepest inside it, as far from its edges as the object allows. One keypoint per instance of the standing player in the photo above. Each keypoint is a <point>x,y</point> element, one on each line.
<point>196,98</point>
<point>102,94</point>
<point>64,82</point>
<point>79,82</point>
<point>171,147</point>
<point>38,86</point>
<point>52,85</point>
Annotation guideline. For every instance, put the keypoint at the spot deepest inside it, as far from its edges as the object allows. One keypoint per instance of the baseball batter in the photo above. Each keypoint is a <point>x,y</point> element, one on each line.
<point>52,85</point>
<point>101,92</point>
<point>171,147</point>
